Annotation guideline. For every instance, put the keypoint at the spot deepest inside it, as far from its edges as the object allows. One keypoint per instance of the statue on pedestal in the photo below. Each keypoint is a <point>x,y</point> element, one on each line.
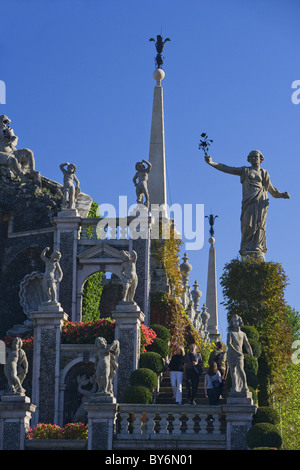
<point>53,274</point>
<point>20,161</point>
<point>256,185</point>
<point>129,276</point>
<point>16,368</point>
<point>236,339</point>
<point>140,181</point>
<point>70,191</point>
<point>105,365</point>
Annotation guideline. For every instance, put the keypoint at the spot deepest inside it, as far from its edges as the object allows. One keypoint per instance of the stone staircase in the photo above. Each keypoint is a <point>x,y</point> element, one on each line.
<point>165,392</point>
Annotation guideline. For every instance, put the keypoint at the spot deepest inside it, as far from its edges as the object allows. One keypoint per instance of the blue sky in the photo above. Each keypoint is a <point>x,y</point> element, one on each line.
<point>79,88</point>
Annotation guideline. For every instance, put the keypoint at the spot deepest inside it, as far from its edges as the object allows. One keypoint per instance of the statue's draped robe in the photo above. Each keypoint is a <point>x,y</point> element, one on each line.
<point>254,209</point>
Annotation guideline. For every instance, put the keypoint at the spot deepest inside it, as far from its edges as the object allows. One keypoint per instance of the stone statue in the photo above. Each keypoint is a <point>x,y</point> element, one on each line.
<point>236,339</point>
<point>140,181</point>
<point>159,45</point>
<point>80,415</point>
<point>16,368</point>
<point>129,276</point>
<point>256,185</point>
<point>70,191</point>
<point>105,365</point>
<point>21,162</point>
<point>53,274</point>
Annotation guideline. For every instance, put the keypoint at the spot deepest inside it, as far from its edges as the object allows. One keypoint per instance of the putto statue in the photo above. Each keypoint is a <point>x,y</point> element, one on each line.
<point>21,162</point>
<point>71,192</point>
<point>140,181</point>
<point>53,274</point>
<point>105,365</point>
<point>16,368</point>
<point>256,185</point>
<point>236,339</point>
<point>129,275</point>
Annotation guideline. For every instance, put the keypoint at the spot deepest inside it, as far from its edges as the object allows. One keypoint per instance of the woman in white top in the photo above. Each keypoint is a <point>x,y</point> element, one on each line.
<point>212,382</point>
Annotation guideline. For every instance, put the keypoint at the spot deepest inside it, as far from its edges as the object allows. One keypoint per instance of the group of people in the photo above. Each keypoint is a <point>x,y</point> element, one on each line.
<point>188,367</point>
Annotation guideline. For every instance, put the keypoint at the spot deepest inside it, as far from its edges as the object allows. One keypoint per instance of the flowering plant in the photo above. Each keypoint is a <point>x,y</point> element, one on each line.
<point>27,342</point>
<point>87,332</point>
<point>53,431</point>
<point>147,337</point>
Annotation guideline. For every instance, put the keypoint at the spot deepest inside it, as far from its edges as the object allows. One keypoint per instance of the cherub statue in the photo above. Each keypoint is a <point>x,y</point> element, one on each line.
<point>16,368</point>
<point>20,161</point>
<point>105,364</point>
<point>53,274</point>
<point>256,185</point>
<point>236,339</point>
<point>129,275</point>
<point>140,181</point>
<point>70,191</point>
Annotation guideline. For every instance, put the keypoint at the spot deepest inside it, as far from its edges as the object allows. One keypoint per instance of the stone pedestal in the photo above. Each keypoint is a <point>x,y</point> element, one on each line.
<point>101,410</point>
<point>239,413</point>
<point>48,322</point>
<point>128,318</point>
<point>15,416</point>
<point>67,227</point>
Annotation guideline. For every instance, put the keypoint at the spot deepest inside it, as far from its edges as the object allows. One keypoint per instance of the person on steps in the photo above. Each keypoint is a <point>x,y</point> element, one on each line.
<point>176,373</point>
<point>192,372</point>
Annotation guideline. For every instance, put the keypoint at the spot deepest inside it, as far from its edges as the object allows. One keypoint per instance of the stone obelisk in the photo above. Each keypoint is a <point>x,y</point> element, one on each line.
<point>211,290</point>
<point>157,185</point>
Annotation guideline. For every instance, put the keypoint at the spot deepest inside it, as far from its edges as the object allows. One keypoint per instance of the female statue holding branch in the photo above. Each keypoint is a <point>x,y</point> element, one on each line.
<point>256,185</point>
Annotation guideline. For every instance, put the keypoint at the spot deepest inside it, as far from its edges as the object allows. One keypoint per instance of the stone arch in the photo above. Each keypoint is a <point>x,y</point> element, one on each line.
<point>102,257</point>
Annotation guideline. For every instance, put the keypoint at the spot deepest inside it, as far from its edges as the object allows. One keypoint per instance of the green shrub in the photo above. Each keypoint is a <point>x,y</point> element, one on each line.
<point>251,332</point>
<point>263,435</point>
<point>152,360</point>
<point>161,331</point>
<point>144,377</point>
<point>159,346</point>
<point>256,348</point>
<point>250,363</point>
<point>252,380</point>
<point>266,414</point>
<point>254,394</point>
<point>264,448</point>
<point>138,394</point>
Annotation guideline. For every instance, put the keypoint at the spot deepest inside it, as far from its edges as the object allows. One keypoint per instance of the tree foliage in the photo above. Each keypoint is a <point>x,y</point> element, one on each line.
<point>254,289</point>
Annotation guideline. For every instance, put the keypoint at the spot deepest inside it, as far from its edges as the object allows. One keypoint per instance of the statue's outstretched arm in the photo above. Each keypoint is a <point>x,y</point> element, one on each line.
<point>232,170</point>
<point>277,194</point>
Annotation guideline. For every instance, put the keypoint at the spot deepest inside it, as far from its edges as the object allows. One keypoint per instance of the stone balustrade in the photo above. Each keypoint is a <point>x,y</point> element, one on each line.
<point>185,426</point>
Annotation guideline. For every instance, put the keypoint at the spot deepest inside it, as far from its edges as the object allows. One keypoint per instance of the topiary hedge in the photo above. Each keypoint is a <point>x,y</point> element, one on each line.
<point>161,331</point>
<point>138,394</point>
<point>263,435</point>
<point>144,377</point>
<point>266,414</point>
<point>159,346</point>
<point>152,360</point>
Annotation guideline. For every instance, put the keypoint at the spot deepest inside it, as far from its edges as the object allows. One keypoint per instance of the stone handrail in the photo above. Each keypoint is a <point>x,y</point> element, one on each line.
<point>160,420</point>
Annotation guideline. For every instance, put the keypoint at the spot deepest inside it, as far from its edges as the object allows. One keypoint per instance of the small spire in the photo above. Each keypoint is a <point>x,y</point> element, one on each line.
<point>211,219</point>
<point>159,45</point>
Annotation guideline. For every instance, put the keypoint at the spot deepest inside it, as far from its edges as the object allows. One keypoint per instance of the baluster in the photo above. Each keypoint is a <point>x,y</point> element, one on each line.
<point>163,423</point>
<point>136,424</point>
<point>149,424</point>
<point>176,423</point>
<point>124,423</point>
<point>190,423</point>
<point>216,424</point>
<point>202,423</point>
